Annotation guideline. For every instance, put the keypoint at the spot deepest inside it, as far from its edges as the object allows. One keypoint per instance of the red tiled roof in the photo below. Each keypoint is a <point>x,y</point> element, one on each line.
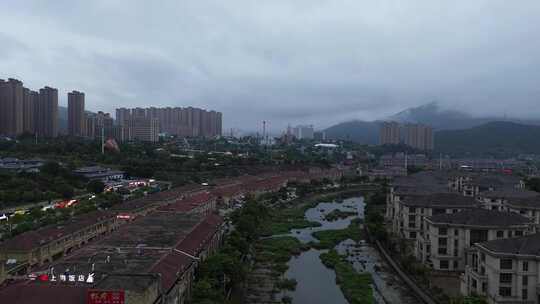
<point>174,263</point>
<point>34,239</point>
<point>228,191</point>
<point>27,292</point>
<point>189,203</point>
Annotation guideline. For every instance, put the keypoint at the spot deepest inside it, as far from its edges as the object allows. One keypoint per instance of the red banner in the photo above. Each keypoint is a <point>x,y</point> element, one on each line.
<point>106,297</point>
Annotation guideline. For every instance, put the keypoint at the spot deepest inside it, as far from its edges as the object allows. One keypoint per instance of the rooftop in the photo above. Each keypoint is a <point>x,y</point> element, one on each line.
<point>526,245</point>
<point>141,248</point>
<point>31,292</point>
<point>532,202</point>
<point>509,193</point>
<point>189,203</point>
<point>452,200</point>
<point>34,239</point>
<point>480,217</point>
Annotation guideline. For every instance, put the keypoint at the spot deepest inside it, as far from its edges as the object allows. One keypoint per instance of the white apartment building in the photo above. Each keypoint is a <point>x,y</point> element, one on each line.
<point>528,207</point>
<point>496,200</point>
<point>504,271</point>
<point>447,237</point>
<point>409,212</point>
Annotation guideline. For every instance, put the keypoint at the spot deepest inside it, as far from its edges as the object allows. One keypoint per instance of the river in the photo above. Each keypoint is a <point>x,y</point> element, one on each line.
<point>316,283</point>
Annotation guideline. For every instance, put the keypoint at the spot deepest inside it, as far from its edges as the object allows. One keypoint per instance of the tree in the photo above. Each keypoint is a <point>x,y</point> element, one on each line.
<point>95,186</point>
<point>51,168</point>
<point>533,184</point>
<point>65,190</point>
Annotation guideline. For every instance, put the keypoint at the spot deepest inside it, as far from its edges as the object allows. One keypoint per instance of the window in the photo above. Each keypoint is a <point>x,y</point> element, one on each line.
<point>456,232</point>
<point>412,209</point>
<point>525,281</point>
<point>525,266</point>
<point>505,278</point>
<point>505,291</point>
<point>524,294</point>
<point>442,241</point>
<point>505,264</point>
<point>443,231</point>
<point>456,265</point>
<point>478,236</point>
<point>412,224</point>
<point>500,234</point>
<point>412,234</point>
<point>438,211</point>
<point>412,218</point>
<point>442,250</point>
<point>518,233</point>
<point>443,264</point>
<point>484,286</point>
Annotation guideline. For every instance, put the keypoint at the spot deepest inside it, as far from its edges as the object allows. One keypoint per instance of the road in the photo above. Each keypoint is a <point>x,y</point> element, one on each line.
<point>38,204</point>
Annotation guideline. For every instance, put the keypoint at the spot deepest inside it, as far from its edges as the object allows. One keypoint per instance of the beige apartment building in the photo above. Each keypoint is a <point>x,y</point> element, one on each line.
<point>76,115</point>
<point>447,237</point>
<point>11,107</point>
<point>47,114</point>
<point>390,133</point>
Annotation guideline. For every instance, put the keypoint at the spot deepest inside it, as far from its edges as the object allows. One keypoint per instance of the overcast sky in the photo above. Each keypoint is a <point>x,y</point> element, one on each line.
<point>284,61</point>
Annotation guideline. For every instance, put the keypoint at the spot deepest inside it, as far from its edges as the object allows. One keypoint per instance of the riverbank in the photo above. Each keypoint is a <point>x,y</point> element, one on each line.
<point>305,258</point>
<point>355,286</point>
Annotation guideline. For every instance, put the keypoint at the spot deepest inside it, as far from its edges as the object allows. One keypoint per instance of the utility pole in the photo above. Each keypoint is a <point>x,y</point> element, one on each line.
<point>264,132</point>
<point>406,160</point>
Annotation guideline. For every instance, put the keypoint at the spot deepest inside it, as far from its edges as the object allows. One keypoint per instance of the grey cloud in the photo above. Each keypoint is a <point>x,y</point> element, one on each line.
<point>312,61</point>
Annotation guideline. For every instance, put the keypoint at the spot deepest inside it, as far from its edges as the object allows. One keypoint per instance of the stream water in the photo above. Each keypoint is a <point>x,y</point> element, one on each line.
<point>316,283</point>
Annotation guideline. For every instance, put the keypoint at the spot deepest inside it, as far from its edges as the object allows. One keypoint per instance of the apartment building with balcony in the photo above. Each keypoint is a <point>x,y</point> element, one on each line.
<point>504,271</point>
<point>497,199</point>
<point>528,207</point>
<point>410,212</point>
<point>447,237</point>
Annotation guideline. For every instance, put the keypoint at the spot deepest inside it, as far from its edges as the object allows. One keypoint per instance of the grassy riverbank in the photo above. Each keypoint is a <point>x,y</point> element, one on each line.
<point>329,239</point>
<point>276,252</point>
<point>291,215</point>
<point>354,285</point>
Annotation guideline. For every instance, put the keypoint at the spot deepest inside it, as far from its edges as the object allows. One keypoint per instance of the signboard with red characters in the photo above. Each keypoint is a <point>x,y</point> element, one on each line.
<point>106,297</point>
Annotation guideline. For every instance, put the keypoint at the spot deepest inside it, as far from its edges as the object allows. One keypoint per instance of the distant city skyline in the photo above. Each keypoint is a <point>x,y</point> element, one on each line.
<point>297,62</point>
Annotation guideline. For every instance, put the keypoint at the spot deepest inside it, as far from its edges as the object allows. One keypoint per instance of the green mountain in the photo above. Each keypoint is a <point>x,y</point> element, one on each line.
<point>499,138</point>
<point>365,132</point>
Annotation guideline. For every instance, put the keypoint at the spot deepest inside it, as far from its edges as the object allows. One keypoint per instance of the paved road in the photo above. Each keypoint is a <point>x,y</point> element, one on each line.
<point>38,204</point>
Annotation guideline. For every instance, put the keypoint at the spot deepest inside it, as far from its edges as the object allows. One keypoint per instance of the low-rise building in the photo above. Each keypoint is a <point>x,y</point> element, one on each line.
<point>409,214</point>
<point>447,237</point>
<point>504,271</point>
<point>201,203</point>
<point>472,184</point>
<point>150,260</point>
<point>21,165</point>
<point>50,243</point>
<point>100,173</point>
